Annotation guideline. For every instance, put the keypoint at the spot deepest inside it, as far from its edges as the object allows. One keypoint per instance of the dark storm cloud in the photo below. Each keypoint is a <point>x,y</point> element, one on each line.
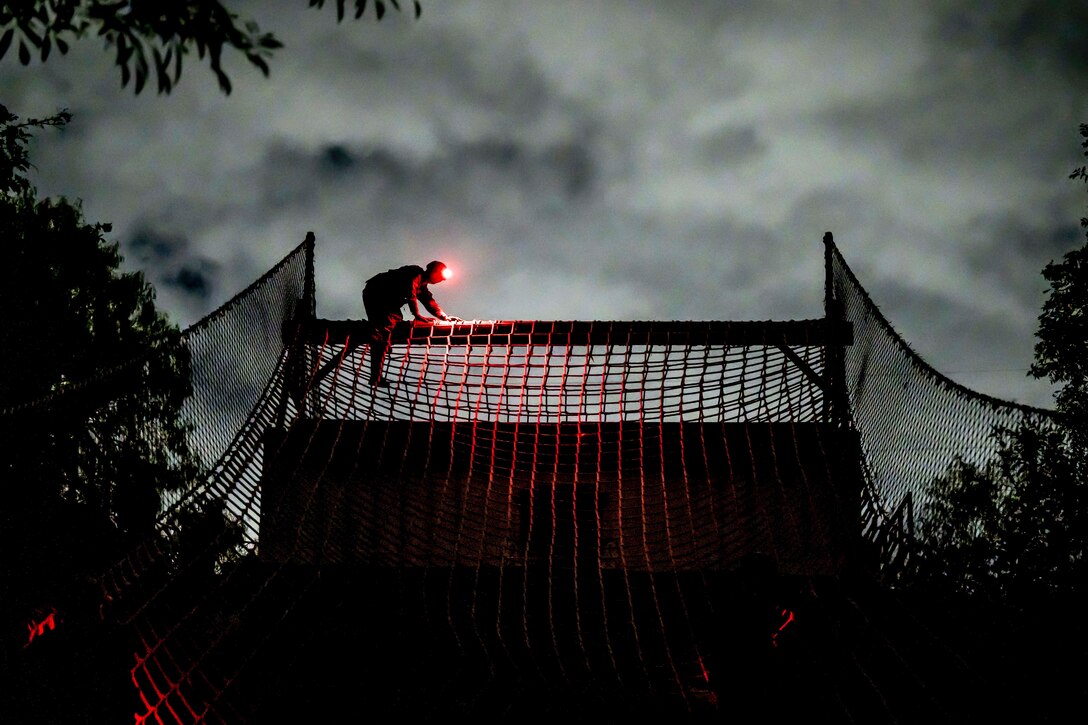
<point>991,80</point>
<point>149,246</point>
<point>1004,250</point>
<point>174,266</point>
<point>337,158</point>
<point>564,167</point>
<point>946,121</point>
<point>394,185</point>
<point>1032,31</point>
<point>193,280</point>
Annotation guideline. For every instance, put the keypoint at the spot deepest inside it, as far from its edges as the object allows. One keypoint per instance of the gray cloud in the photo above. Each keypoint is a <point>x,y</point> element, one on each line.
<point>189,279</point>
<point>732,146</point>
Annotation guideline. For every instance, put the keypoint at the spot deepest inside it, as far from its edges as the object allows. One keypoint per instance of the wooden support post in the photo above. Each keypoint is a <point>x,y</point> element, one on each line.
<point>836,400</point>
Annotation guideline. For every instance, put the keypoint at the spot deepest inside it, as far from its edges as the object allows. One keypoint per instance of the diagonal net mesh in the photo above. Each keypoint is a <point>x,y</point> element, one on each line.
<point>912,421</point>
<point>536,517</point>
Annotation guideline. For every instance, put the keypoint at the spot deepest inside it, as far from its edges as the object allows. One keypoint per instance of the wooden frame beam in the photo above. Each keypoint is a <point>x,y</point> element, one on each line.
<point>789,333</point>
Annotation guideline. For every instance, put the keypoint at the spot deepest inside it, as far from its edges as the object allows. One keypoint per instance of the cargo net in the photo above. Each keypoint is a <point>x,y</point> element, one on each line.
<point>913,422</point>
<point>568,372</point>
<point>559,517</point>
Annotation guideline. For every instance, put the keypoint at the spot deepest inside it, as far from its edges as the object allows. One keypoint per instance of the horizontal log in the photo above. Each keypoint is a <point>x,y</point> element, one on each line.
<point>792,333</point>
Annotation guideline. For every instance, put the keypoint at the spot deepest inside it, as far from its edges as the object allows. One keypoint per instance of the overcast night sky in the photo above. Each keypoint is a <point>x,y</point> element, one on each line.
<point>620,159</point>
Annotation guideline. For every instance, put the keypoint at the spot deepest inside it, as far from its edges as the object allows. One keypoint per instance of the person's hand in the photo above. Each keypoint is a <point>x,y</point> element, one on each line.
<point>453,318</point>
<point>425,320</point>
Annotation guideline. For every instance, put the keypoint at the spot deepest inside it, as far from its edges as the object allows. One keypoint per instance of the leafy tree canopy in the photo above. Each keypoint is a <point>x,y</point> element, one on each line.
<point>150,35</point>
<point>92,380</point>
<point>1015,530</point>
<point>1061,353</point>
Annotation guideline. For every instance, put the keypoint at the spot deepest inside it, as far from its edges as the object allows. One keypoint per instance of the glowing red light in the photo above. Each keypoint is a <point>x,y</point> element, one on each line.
<point>789,618</point>
<point>38,628</point>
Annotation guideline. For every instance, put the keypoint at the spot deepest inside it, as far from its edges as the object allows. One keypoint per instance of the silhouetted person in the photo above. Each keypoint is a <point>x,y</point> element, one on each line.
<point>383,297</point>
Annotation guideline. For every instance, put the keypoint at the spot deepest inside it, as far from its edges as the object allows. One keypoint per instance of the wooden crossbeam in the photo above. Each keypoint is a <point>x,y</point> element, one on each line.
<point>791,333</point>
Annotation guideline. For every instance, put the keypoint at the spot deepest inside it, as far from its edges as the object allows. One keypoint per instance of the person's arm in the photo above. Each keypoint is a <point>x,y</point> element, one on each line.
<point>420,293</point>
<point>431,304</point>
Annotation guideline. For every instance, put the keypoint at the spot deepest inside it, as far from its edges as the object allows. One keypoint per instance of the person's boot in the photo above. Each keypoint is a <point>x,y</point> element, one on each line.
<point>376,379</point>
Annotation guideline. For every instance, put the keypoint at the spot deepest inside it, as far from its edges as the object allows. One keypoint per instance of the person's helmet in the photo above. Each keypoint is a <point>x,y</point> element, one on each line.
<point>439,270</point>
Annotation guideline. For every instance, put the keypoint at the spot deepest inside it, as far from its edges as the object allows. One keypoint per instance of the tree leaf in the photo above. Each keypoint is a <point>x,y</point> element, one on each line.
<point>161,64</point>
<point>5,41</point>
<point>124,50</point>
<point>142,71</point>
<point>260,63</point>
<point>29,32</point>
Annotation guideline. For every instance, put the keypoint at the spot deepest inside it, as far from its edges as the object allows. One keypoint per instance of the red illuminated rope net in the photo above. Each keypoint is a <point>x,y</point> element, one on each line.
<point>531,507</point>
<point>570,483</point>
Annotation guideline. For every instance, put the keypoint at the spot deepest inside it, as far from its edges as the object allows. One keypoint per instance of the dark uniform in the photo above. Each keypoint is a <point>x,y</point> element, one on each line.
<point>383,297</point>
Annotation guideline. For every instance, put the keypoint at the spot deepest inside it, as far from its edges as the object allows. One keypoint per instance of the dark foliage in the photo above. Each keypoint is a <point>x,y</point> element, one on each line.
<point>92,381</point>
<point>92,384</point>
<point>149,36</point>
<point>100,372</point>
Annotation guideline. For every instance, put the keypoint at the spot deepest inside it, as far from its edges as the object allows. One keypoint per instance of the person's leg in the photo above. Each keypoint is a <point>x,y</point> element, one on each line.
<point>378,317</point>
<point>379,344</point>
